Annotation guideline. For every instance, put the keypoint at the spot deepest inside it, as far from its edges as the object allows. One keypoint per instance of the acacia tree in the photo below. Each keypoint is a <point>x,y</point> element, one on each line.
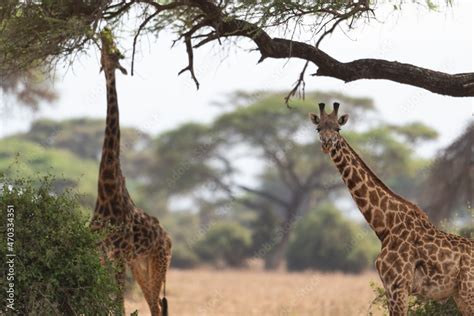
<point>291,172</point>
<point>42,32</point>
<point>454,165</point>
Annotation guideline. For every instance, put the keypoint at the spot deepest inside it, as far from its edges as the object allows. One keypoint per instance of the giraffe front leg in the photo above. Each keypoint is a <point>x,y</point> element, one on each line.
<point>398,301</point>
<point>396,278</point>
<point>120,279</point>
<point>464,297</point>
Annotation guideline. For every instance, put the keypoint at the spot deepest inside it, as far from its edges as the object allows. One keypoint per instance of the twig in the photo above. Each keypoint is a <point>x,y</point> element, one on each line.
<point>296,86</point>
<point>142,25</point>
<point>190,67</point>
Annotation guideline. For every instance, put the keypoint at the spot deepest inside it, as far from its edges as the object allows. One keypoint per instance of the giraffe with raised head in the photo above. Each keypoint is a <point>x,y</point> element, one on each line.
<point>133,237</point>
<point>416,257</point>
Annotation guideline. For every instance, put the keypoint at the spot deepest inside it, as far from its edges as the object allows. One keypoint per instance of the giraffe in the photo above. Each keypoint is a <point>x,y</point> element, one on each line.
<point>133,237</point>
<point>416,257</point>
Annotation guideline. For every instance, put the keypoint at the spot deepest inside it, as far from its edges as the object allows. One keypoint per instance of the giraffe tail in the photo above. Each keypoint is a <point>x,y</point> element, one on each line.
<point>164,301</point>
<point>164,306</point>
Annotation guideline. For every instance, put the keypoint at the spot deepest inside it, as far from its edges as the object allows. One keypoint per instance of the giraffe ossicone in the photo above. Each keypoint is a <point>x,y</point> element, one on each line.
<point>416,257</point>
<point>133,238</point>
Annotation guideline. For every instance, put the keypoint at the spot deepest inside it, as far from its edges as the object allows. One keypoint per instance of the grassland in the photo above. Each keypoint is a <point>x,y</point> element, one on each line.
<point>230,292</point>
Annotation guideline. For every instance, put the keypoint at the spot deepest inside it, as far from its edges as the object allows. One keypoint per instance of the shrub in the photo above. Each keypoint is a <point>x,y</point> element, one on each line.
<point>183,257</point>
<point>225,242</point>
<point>416,306</point>
<point>326,241</point>
<point>57,267</point>
<point>467,231</point>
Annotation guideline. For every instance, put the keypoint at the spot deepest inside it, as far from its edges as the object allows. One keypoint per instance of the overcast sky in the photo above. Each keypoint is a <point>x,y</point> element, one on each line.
<point>156,99</point>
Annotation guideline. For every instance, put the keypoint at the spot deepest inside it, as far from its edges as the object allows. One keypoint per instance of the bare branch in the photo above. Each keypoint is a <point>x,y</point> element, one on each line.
<point>123,7</point>
<point>190,67</point>
<point>142,25</point>
<point>296,87</point>
<point>266,195</point>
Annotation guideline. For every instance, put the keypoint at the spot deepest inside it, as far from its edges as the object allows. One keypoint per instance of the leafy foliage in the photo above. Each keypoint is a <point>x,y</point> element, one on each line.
<point>57,266</point>
<point>29,87</point>
<point>416,306</point>
<point>34,32</point>
<point>326,241</point>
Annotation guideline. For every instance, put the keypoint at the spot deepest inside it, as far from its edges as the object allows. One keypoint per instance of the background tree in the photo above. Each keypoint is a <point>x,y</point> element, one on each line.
<point>44,32</point>
<point>197,176</point>
<point>70,150</point>
<point>28,87</point>
<point>449,187</point>
<point>24,159</point>
<point>327,241</point>
<point>84,137</point>
<point>209,163</point>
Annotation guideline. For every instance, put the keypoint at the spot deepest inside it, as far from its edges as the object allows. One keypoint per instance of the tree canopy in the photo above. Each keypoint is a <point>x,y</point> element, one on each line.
<point>454,165</point>
<point>41,33</point>
<point>207,162</point>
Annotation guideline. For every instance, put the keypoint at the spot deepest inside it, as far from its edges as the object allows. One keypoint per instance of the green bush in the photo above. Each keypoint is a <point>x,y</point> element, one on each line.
<point>225,242</point>
<point>57,267</point>
<point>326,241</point>
<point>184,257</point>
<point>416,306</point>
<point>467,231</point>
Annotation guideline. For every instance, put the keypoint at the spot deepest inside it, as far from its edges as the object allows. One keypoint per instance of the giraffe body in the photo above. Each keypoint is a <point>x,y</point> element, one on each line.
<point>416,258</point>
<point>133,238</point>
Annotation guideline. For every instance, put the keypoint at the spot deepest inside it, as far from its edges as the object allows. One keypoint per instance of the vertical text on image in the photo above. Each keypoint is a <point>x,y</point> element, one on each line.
<point>10,260</point>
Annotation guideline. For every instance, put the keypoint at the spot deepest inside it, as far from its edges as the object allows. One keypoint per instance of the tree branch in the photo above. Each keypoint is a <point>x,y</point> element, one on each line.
<point>268,196</point>
<point>438,82</point>
<point>299,83</point>
<point>142,25</point>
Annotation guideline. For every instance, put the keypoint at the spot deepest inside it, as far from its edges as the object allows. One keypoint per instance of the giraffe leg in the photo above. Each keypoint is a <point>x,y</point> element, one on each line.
<point>463,305</point>
<point>157,278</point>
<point>396,277</point>
<point>398,301</point>
<point>141,275</point>
<point>120,279</point>
<point>464,298</point>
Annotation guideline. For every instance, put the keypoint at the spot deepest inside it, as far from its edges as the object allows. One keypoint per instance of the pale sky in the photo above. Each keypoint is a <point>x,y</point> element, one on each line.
<point>156,99</point>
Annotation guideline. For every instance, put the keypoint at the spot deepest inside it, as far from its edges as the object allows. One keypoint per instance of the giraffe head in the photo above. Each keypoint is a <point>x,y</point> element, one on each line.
<point>110,54</point>
<point>328,126</point>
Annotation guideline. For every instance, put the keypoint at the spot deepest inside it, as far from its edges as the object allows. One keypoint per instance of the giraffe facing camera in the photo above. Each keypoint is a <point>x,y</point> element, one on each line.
<point>416,257</point>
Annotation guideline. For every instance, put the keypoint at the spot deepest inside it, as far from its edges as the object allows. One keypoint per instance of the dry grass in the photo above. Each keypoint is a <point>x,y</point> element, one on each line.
<point>205,292</point>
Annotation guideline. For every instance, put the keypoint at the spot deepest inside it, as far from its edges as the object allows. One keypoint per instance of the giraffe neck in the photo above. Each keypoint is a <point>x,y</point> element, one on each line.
<point>373,198</point>
<point>111,145</point>
<point>111,188</point>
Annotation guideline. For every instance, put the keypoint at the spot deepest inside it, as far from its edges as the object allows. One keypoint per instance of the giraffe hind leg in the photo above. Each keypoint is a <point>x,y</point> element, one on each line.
<point>140,271</point>
<point>157,277</point>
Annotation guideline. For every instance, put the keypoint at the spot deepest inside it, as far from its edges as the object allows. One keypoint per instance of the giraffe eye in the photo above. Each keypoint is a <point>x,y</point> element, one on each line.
<point>318,129</point>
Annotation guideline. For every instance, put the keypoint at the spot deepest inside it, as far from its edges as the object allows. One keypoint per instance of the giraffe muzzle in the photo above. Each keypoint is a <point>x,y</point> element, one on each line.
<point>325,147</point>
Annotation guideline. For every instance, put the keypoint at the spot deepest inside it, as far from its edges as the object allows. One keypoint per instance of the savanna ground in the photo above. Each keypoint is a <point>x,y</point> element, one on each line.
<point>244,292</point>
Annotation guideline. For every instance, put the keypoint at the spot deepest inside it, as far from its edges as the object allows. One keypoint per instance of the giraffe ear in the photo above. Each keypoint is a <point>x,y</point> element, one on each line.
<point>343,119</point>
<point>314,118</point>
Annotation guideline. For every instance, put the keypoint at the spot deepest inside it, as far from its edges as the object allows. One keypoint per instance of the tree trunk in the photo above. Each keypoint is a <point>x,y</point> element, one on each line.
<point>279,242</point>
<point>276,258</point>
